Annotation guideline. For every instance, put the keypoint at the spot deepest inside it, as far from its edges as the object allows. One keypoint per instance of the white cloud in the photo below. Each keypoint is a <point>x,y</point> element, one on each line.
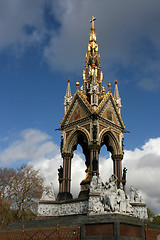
<point>32,145</point>
<point>127,33</point>
<point>120,24</point>
<point>21,22</point>
<point>49,168</point>
<point>143,171</point>
<point>37,148</point>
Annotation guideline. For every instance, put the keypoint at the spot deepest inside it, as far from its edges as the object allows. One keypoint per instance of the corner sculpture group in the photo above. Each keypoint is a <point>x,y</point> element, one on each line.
<point>109,198</point>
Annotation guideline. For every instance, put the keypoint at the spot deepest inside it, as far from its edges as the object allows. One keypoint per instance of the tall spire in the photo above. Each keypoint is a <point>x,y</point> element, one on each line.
<point>68,97</point>
<point>92,76</point>
<point>117,97</point>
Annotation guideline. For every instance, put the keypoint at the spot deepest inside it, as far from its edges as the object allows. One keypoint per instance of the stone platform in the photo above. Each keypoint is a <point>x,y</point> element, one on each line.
<point>102,199</point>
<point>100,227</point>
<point>106,213</point>
<point>112,227</point>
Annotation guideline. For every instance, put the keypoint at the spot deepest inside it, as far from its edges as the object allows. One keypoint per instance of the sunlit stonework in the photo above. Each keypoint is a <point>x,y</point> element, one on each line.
<point>92,118</point>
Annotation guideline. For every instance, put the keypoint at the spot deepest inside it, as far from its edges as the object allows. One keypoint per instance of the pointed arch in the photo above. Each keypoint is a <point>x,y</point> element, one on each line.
<point>108,138</point>
<point>74,139</point>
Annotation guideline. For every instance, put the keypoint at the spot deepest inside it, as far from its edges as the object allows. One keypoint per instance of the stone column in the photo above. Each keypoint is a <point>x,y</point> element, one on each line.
<point>117,166</point>
<point>94,159</point>
<point>66,172</point>
<point>66,180</point>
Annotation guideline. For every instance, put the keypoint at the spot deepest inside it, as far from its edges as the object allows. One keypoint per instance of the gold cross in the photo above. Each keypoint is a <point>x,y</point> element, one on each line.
<point>92,21</point>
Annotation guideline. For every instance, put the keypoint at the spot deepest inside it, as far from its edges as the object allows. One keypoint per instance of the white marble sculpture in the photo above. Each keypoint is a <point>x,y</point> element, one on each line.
<point>110,199</point>
<point>135,196</point>
<point>103,199</point>
<point>96,184</point>
<point>113,193</point>
<point>121,199</point>
<point>132,194</point>
<point>139,206</point>
<point>48,193</point>
<point>62,209</point>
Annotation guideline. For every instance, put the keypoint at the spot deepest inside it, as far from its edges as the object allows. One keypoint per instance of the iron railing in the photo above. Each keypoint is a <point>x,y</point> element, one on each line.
<point>52,233</point>
<point>151,233</point>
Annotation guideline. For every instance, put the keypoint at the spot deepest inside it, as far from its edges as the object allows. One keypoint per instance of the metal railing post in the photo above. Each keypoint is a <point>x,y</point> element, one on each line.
<point>145,229</point>
<point>8,233</point>
<point>79,230</point>
<point>23,232</point>
<point>57,231</point>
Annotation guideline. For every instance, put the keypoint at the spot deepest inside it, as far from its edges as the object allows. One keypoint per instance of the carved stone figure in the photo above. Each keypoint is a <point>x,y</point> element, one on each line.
<point>95,206</point>
<point>95,185</point>
<point>48,194</point>
<point>103,199</point>
<point>139,206</point>
<point>136,196</point>
<point>129,208</point>
<point>60,173</point>
<point>131,194</point>
<point>62,209</point>
<point>109,198</point>
<point>113,192</point>
<point>61,144</point>
<point>124,173</point>
<point>121,199</point>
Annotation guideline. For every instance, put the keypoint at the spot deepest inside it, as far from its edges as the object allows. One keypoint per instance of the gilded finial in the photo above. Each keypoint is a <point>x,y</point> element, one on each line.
<point>109,86</point>
<point>103,90</point>
<point>77,85</point>
<point>116,82</point>
<point>68,80</point>
<point>92,21</point>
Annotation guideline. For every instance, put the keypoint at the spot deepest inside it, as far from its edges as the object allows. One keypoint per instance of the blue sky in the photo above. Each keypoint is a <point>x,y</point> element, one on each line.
<point>43,43</point>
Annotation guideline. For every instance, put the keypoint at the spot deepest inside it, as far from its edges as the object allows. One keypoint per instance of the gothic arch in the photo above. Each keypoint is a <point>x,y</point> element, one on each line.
<point>108,138</point>
<point>74,139</point>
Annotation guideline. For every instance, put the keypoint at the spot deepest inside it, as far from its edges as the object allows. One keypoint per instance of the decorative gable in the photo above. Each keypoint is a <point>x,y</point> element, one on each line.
<point>77,110</point>
<point>78,113</point>
<point>108,110</point>
<point>110,113</point>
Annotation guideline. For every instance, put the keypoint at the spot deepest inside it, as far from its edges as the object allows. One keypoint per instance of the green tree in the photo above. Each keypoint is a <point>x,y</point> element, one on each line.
<point>156,220</point>
<point>151,215</point>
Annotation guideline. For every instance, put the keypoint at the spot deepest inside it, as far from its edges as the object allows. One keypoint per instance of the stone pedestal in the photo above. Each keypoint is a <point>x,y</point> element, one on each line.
<point>112,227</point>
<point>102,227</point>
<point>140,209</point>
<point>64,196</point>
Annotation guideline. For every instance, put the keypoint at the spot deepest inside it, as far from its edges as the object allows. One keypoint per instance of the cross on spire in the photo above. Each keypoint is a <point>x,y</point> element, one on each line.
<point>92,21</point>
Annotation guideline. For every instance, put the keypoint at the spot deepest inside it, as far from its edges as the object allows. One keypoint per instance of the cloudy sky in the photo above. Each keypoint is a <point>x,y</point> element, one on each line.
<point>42,44</point>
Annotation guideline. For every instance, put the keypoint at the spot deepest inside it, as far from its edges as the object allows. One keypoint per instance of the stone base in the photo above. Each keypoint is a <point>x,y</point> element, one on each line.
<point>112,227</point>
<point>84,194</point>
<point>100,227</point>
<point>140,209</point>
<point>64,196</point>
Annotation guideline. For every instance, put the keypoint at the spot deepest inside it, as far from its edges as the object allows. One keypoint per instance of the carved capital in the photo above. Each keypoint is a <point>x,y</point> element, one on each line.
<point>117,157</point>
<point>67,155</point>
<point>94,147</point>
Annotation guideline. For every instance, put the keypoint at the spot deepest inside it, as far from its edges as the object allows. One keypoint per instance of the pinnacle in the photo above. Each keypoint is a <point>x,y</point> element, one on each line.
<point>68,92</point>
<point>116,92</point>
